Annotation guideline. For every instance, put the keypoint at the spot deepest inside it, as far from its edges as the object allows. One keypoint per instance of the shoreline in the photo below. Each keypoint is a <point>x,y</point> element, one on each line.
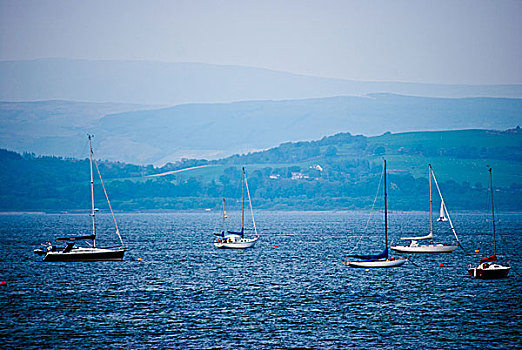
<point>204,211</point>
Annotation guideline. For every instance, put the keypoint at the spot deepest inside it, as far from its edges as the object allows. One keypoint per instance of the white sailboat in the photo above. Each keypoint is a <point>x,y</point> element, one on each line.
<point>416,244</point>
<point>236,240</point>
<point>489,268</point>
<point>89,252</point>
<point>442,217</point>
<point>380,260</point>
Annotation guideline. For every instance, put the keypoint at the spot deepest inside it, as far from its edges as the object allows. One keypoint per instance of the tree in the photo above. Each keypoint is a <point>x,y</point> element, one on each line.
<point>379,151</point>
<point>331,151</point>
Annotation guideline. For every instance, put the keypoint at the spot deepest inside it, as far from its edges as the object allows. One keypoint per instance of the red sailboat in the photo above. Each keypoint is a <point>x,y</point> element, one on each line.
<point>489,268</point>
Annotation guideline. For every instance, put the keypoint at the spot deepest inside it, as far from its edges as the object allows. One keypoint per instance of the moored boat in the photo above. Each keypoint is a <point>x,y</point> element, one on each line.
<point>71,252</point>
<point>489,268</point>
<point>237,240</point>
<point>377,263</point>
<point>417,244</point>
<point>381,260</point>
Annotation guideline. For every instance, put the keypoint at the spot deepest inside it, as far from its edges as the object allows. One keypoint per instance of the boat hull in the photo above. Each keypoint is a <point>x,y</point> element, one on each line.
<point>92,254</point>
<point>489,271</point>
<point>432,248</point>
<point>377,263</point>
<point>242,244</point>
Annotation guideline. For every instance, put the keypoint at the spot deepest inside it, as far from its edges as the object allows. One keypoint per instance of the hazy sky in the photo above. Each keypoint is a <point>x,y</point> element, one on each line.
<point>470,42</point>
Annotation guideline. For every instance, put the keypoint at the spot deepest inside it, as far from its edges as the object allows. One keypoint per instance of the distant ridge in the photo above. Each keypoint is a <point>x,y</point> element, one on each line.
<point>132,134</point>
<point>160,83</point>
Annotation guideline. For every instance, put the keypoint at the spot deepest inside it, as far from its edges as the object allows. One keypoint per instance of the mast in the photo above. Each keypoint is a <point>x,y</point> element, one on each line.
<point>223,215</point>
<point>443,204</point>
<point>243,202</point>
<point>431,201</point>
<point>492,212</point>
<point>251,210</point>
<point>92,192</point>
<point>385,209</point>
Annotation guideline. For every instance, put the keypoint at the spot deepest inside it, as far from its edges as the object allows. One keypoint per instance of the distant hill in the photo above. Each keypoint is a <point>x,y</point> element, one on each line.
<point>216,130</point>
<point>53,127</point>
<point>212,131</point>
<point>159,83</point>
<point>336,172</point>
<point>461,156</point>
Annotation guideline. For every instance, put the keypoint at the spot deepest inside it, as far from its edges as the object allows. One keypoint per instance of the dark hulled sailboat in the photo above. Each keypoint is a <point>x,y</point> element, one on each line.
<point>90,252</point>
<point>489,268</point>
<point>382,259</point>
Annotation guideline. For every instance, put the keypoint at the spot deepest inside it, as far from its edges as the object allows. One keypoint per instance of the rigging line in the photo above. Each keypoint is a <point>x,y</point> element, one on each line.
<point>487,219</point>
<point>369,217</point>
<point>251,210</point>
<point>411,260</point>
<point>445,208</point>
<point>499,234</point>
<point>108,201</point>
<point>516,273</point>
<point>236,189</point>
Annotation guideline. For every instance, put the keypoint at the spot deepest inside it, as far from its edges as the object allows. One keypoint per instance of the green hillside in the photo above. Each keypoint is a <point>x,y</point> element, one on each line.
<point>460,156</point>
<point>336,172</point>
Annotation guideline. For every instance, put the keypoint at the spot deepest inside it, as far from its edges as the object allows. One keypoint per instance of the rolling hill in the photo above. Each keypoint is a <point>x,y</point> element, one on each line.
<point>53,127</point>
<point>161,83</point>
<point>135,134</point>
<point>336,172</point>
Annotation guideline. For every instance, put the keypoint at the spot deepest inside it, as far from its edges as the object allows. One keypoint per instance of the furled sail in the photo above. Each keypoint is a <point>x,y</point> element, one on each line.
<point>383,255</point>
<point>78,238</point>
<point>237,233</point>
<point>489,258</point>
<point>430,236</point>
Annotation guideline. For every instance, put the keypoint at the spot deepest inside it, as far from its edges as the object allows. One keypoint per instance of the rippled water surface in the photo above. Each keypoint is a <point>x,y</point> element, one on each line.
<point>188,294</point>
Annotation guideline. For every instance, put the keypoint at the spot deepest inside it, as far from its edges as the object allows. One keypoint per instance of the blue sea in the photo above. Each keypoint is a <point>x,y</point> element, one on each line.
<point>187,294</point>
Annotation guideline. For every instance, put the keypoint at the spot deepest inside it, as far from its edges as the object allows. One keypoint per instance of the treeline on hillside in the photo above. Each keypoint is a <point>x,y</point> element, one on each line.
<point>51,183</point>
<point>342,149</point>
<point>358,146</point>
<point>290,152</point>
<point>33,183</point>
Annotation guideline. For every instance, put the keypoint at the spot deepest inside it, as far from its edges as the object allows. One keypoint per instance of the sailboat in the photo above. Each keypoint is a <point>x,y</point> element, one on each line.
<point>379,260</point>
<point>442,217</point>
<point>90,252</point>
<point>237,240</point>
<point>415,246</point>
<point>489,268</point>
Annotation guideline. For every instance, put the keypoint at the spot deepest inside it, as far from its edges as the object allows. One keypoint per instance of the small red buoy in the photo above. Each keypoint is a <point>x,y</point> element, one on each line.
<point>3,283</point>
<point>441,265</point>
<point>276,246</point>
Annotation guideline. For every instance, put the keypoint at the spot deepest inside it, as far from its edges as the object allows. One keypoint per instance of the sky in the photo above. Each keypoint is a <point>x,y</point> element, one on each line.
<point>452,42</point>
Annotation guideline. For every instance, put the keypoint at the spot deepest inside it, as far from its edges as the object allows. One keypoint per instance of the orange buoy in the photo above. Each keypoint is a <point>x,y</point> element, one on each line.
<point>441,265</point>
<point>476,250</point>
<point>140,259</point>
<point>3,283</point>
<point>276,246</point>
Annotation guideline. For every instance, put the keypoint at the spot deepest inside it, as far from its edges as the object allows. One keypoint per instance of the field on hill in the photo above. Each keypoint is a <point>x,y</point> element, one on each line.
<point>460,156</point>
<point>336,172</point>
